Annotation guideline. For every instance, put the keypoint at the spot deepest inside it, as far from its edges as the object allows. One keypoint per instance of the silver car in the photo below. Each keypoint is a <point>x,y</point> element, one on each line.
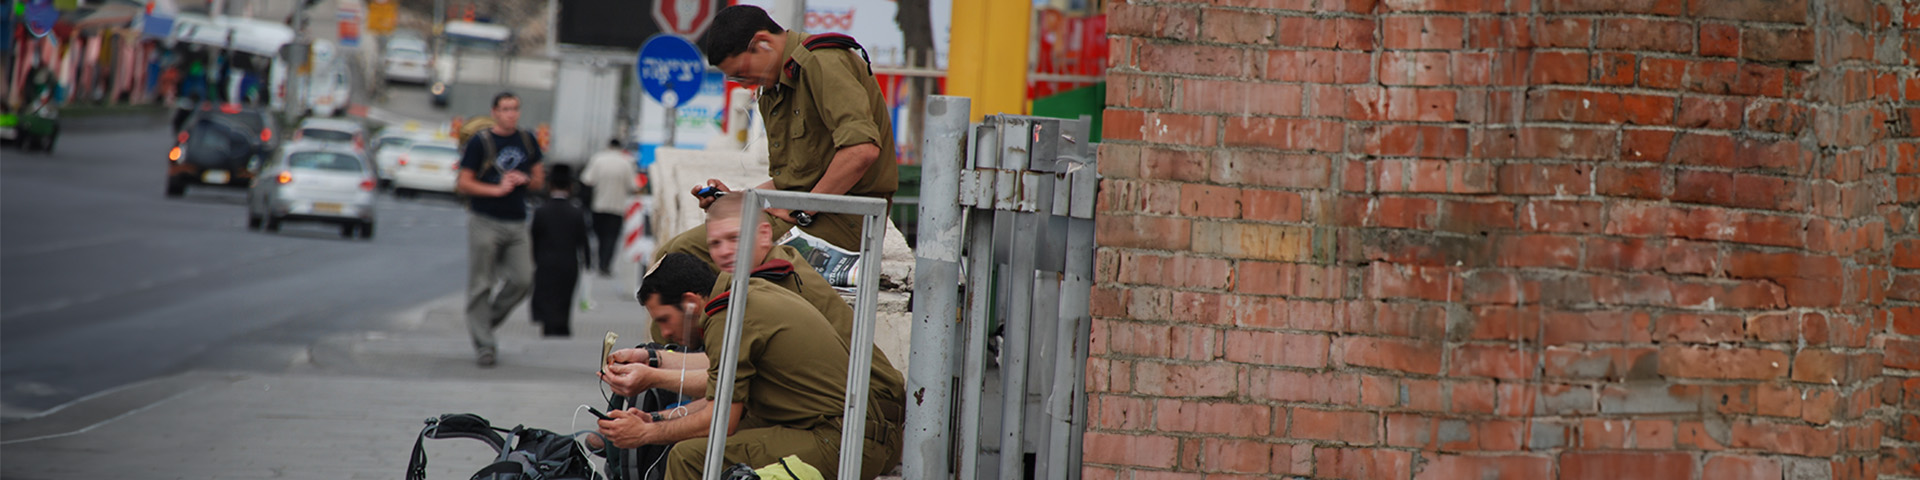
<point>312,181</point>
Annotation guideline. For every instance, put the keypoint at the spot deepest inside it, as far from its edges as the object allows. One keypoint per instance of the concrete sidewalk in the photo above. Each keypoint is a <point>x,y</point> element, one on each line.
<point>351,410</point>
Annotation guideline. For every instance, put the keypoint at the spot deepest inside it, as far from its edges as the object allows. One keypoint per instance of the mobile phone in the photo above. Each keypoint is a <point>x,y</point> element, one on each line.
<point>596,412</point>
<point>709,191</point>
<point>606,349</point>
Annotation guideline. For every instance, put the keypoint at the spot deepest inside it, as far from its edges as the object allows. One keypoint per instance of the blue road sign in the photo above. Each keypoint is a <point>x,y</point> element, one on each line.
<point>671,69</point>
<point>40,17</point>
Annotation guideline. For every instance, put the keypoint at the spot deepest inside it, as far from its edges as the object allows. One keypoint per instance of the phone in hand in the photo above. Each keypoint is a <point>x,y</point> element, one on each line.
<point>606,350</point>
<point>596,412</point>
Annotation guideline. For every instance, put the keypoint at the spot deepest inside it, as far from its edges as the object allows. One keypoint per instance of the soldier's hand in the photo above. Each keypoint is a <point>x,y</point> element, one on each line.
<point>629,355</point>
<point>707,200</point>
<point>626,428</point>
<point>626,379</point>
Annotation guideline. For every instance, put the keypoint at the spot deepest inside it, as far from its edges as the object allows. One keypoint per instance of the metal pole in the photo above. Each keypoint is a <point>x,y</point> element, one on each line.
<point>673,125</point>
<point>984,146</point>
<point>1016,143</point>
<point>853,426</point>
<point>936,306</point>
<point>729,351</point>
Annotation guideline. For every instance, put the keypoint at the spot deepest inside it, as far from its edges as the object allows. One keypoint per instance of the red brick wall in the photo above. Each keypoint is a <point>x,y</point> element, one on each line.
<point>1440,239</point>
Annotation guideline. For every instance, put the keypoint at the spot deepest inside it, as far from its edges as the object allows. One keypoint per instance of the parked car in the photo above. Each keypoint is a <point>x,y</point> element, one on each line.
<point>314,181</point>
<point>333,130</point>
<point>429,165</point>
<point>330,93</point>
<point>219,145</point>
<point>405,60</point>
<point>387,148</point>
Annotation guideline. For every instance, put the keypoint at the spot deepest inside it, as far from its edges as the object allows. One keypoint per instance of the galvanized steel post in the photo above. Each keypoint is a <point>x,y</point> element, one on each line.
<point>936,303</point>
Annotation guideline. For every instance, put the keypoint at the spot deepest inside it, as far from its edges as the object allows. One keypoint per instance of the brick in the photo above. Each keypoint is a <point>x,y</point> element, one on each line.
<point>1235,420</point>
<point>1172,165</point>
<point>1601,363</point>
<point>1539,179</point>
<point>1597,107</point>
<point>1618,465</point>
<point>1167,128</point>
<point>1138,91</point>
<point>1542,251</point>
<point>1652,434</point>
<point>1412,140</point>
<point>1646,145</point>
<point>1470,396</point>
<point>1309,387</point>
<point>1505,362</point>
<point>1714,77</point>
<point>1662,73</point>
<point>1136,450</point>
<point>1700,328</point>
<point>1719,40</point>
<point>1267,169</point>
<point>1776,400</point>
<point>1321,32</point>
<point>1275,348</point>
<point>1781,11</point>
<point>1272,206</point>
<point>1235,456</point>
<point>1416,68</point>
<point>1613,68</point>
<point>1319,66</point>
<point>1237,26</point>
<point>1240,98</point>
<point>1754,264</point>
<point>1114,412</point>
<point>1499,33</point>
<point>1643,183</point>
<point>1284,133</point>
<point>1565,32</point>
<point>1650,7</point>
<point>1422,32</point>
<point>1176,380</point>
<point>1776,45</point>
<point>1789,439</point>
<point>1389,353</point>
<point>1353,428</point>
<point>1209,201</point>
<point>1402,104</point>
<point>1643,34</point>
<point>1159,233</point>
<point>1710,113</point>
<point>1723,363</point>
<point>1362,463</point>
<point>1822,367</point>
<point>1741,467</point>
<point>1191,59</point>
<point>1567,68</point>
<point>1252,240</point>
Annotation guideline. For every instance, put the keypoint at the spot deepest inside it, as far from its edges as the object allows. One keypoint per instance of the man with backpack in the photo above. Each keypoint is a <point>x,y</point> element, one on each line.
<point>828,127</point>
<point>497,167</point>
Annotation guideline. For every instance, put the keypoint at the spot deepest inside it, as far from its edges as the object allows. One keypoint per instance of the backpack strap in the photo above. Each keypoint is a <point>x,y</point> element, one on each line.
<point>486,142</point>
<point>829,40</point>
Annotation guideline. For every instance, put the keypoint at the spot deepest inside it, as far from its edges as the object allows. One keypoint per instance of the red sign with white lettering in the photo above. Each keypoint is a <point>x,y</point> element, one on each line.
<point>687,18</point>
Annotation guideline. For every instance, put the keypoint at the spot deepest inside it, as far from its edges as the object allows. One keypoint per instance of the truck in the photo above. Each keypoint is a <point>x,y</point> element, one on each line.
<point>573,99</point>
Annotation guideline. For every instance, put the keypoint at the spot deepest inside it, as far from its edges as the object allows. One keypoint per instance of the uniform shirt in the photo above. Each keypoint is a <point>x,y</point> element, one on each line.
<point>887,384</point>
<point>510,153</point>
<point>831,101</point>
<point>792,369</point>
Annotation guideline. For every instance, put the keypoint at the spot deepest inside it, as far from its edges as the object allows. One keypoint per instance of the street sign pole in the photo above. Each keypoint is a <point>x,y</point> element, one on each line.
<point>671,70</point>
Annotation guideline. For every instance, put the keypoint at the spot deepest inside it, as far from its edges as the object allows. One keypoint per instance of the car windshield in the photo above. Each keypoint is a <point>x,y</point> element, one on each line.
<point>338,162</point>
<point>407,54</point>
<point>248,121</point>
<point>385,142</point>
<point>326,135</point>
<point>435,151</point>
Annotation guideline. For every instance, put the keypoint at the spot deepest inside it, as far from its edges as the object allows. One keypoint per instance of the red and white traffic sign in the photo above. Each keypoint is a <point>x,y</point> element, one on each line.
<point>684,17</point>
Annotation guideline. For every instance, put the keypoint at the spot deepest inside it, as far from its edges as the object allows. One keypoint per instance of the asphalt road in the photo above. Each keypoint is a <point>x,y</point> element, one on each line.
<point>104,282</point>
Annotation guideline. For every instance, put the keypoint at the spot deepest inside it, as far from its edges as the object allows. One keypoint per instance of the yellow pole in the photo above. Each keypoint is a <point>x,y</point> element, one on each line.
<point>987,60</point>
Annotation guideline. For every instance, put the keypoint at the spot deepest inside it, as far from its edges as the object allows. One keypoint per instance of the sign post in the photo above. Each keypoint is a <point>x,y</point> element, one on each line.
<point>671,71</point>
<point>40,17</point>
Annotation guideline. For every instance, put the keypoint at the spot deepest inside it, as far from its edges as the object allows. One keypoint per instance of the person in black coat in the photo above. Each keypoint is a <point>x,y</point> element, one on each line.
<point>559,249</point>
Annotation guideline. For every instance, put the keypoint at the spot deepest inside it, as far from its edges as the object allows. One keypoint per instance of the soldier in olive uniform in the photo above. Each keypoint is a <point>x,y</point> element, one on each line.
<point>789,385</point>
<point>828,127</point>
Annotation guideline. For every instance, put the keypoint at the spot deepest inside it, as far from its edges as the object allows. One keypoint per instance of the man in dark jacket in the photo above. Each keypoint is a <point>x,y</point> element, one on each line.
<point>559,249</point>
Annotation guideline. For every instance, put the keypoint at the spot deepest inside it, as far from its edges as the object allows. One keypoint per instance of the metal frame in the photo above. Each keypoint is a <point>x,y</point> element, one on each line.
<point>1025,201</point>
<point>866,304</point>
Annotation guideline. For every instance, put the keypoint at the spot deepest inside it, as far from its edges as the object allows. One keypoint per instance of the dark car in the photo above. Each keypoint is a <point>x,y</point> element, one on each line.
<point>219,145</point>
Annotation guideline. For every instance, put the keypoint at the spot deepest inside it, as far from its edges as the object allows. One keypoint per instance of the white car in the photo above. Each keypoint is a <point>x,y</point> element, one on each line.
<point>333,130</point>
<point>387,149</point>
<point>329,93</point>
<point>406,60</point>
<point>429,165</point>
<point>314,181</point>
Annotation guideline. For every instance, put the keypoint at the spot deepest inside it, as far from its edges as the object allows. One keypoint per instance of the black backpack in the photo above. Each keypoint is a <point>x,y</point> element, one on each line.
<point>525,453</point>
<point>647,462</point>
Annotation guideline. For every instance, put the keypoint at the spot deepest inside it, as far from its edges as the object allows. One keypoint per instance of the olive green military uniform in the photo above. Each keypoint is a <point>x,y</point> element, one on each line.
<point>791,377</point>
<point>830,101</point>
<point>888,387</point>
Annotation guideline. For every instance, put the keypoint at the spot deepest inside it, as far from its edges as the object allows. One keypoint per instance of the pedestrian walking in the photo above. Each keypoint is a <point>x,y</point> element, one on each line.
<point>611,174</point>
<point>559,234</point>
<point>497,167</point>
